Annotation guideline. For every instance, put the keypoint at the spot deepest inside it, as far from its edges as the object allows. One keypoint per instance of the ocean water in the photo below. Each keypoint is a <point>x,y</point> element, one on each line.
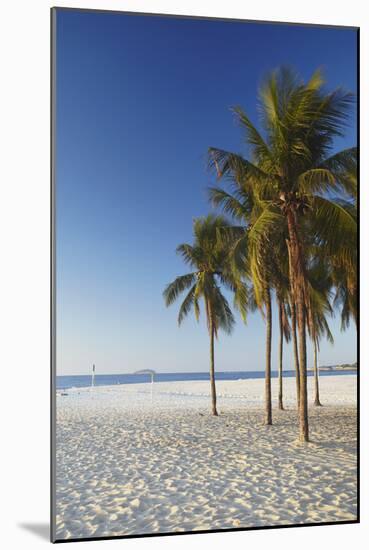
<point>81,381</point>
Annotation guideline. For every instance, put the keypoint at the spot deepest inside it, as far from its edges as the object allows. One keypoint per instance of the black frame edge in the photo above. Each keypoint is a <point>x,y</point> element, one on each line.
<point>52,277</point>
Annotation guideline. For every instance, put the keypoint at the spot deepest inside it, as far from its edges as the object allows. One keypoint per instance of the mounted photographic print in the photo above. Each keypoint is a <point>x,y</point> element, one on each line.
<point>204,275</point>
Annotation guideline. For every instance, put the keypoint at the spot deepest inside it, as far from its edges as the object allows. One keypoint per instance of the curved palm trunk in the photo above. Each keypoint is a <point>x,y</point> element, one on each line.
<point>297,270</point>
<point>317,402</point>
<point>212,368</point>
<point>295,352</point>
<point>268,390</point>
<point>280,368</point>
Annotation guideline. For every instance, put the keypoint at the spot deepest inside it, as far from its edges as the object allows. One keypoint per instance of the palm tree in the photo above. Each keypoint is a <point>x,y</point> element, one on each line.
<point>268,367</point>
<point>208,260</point>
<point>293,171</point>
<point>252,260</point>
<point>319,306</point>
<point>295,351</point>
<point>284,334</point>
<point>267,265</point>
<point>260,275</point>
<point>320,328</point>
<point>316,338</point>
<point>279,269</point>
<point>294,332</point>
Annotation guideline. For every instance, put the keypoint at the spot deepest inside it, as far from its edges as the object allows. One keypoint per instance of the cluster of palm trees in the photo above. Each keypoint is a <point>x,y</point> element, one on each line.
<point>288,229</point>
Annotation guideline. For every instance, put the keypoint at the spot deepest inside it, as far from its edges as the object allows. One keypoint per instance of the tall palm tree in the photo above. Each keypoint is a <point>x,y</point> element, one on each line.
<point>260,276</point>
<point>295,351</point>
<point>268,366</point>
<point>284,334</point>
<point>293,169</point>
<point>294,332</point>
<point>278,265</point>
<point>208,258</point>
<point>319,307</point>
<point>321,328</point>
<point>266,263</point>
<point>254,260</point>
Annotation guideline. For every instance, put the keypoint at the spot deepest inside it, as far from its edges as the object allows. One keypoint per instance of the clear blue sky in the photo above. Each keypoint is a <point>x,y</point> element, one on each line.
<point>139,101</point>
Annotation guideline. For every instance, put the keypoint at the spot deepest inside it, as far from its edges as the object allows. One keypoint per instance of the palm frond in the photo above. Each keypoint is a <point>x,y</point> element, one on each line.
<point>343,166</point>
<point>222,313</point>
<point>187,305</point>
<point>334,226</point>
<point>174,289</point>
<point>265,224</point>
<point>253,136</point>
<point>229,203</point>
<point>237,168</point>
<point>315,180</point>
<point>190,254</point>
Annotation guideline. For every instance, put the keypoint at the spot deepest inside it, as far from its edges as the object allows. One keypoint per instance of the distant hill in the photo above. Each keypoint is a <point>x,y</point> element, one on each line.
<point>344,366</point>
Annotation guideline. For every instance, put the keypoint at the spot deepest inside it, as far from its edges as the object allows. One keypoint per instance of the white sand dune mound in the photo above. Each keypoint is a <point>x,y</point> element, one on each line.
<point>129,463</point>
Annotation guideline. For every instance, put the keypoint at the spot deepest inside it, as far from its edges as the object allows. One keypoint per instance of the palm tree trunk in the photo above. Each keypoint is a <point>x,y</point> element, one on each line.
<point>295,352</point>
<point>303,408</point>
<point>297,268</point>
<point>293,326</point>
<point>212,371</point>
<point>280,369</point>
<point>268,390</point>
<point>317,402</point>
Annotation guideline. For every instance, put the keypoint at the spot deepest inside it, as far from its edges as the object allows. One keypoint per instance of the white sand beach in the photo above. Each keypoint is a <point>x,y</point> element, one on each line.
<point>129,463</point>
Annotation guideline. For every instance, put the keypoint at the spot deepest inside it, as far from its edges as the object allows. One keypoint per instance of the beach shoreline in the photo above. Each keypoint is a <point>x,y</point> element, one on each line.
<point>142,458</point>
